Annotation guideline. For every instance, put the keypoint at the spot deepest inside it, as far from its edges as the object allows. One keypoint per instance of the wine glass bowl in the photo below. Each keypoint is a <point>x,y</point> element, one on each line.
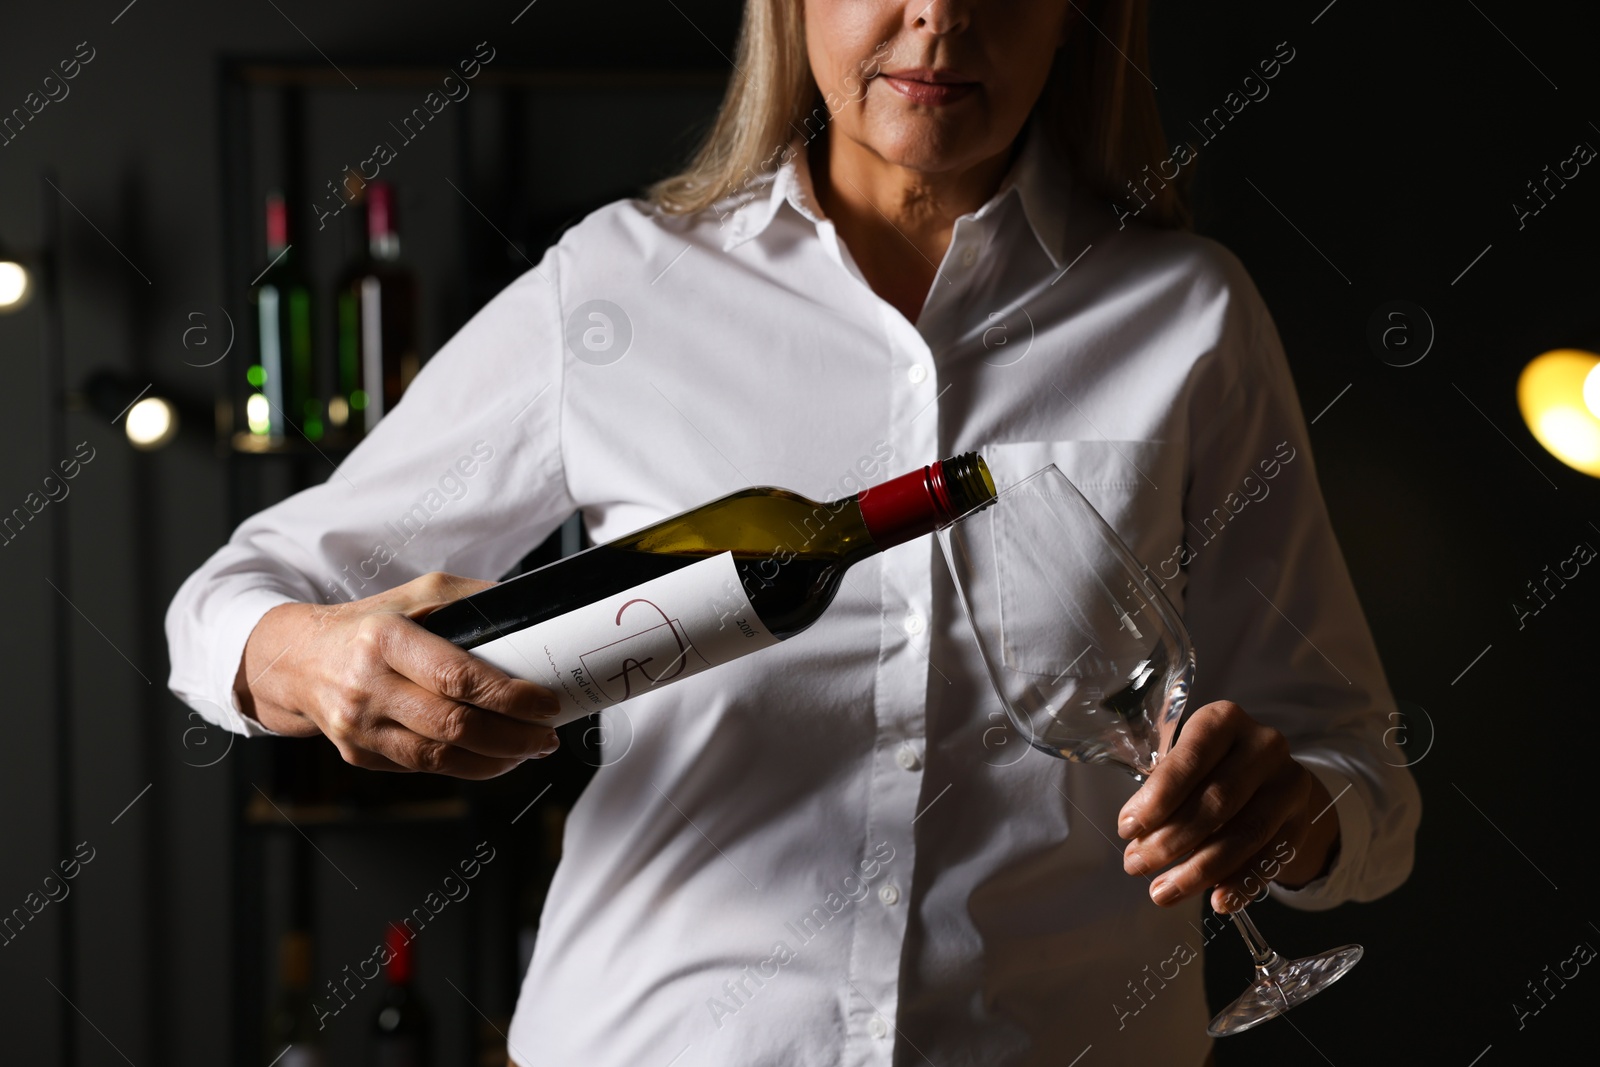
<point>1093,664</point>
<point>1091,661</point>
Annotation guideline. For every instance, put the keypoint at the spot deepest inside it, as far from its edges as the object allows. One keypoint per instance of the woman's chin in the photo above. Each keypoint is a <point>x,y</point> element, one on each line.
<point>929,148</point>
<point>930,139</point>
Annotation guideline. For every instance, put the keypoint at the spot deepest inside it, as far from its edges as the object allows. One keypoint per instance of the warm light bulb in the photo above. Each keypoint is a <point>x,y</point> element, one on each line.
<point>1559,394</point>
<point>15,286</point>
<point>152,422</point>
<point>1571,436</point>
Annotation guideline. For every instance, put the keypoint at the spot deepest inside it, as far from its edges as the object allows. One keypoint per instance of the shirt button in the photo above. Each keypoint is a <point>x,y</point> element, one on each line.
<point>969,257</point>
<point>877,1027</point>
<point>918,374</point>
<point>914,624</point>
<point>907,759</point>
<point>889,895</point>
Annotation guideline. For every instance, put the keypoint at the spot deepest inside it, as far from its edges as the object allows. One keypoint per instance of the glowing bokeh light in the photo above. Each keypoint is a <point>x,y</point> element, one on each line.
<point>1558,404</point>
<point>152,422</point>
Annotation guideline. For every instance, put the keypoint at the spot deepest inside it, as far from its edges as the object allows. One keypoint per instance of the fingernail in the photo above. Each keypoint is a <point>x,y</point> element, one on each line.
<point>1133,863</point>
<point>1128,826</point>
<point>1164,892</point>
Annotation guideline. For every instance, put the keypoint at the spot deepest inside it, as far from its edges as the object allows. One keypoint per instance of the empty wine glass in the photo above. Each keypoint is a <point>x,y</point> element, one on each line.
<point>1093,665</point>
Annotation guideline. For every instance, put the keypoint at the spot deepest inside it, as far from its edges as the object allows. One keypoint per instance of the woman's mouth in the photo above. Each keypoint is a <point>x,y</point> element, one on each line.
<point>933,88</point>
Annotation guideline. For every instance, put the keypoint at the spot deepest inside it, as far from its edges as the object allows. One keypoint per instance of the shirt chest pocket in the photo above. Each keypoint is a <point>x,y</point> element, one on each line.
<point>1130,484</point>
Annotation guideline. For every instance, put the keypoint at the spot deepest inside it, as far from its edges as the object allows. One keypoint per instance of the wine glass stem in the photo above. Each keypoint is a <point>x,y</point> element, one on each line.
<point>1267,961</point>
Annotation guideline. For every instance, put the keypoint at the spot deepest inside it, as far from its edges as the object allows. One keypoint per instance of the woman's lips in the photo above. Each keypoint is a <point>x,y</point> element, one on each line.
<point>933,88</point>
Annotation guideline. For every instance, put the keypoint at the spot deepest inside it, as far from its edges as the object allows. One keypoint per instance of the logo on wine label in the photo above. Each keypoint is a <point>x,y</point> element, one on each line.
<point>635,641</point>
<point>599,332</point>
<point>656,654</point>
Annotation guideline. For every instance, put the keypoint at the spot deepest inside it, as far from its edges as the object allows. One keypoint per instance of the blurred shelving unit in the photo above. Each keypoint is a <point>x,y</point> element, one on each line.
<point>483,190</point>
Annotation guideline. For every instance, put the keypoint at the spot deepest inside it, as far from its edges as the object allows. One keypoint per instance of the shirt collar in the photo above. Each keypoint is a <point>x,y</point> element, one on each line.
<point>1039,179</point>
<point>789,184</point>
<point>1043,182</point>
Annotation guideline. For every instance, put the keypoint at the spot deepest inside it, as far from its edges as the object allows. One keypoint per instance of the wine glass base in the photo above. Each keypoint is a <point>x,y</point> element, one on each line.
<point>1281,987</point>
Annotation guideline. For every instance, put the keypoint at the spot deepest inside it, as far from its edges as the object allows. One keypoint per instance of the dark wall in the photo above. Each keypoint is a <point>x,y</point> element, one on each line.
<point>1383,162</point>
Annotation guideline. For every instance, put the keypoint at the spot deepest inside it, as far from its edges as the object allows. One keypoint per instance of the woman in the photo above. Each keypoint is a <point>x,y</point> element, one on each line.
<point>913,232</point>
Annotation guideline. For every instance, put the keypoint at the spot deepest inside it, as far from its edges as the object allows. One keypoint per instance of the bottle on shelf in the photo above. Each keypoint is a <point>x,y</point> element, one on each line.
<point>377,322</point>
<point>292,1029</point>
<point>281,395</point>
<point>709,585</point>
<point>400,1027</point>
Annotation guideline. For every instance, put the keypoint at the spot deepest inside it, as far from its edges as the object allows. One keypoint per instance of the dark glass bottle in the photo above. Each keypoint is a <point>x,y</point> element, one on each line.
<point>400,1027</point>
<point>292,1035</point>
<point>377,322</point>
<point>716,582</point>
<point>281,396</point>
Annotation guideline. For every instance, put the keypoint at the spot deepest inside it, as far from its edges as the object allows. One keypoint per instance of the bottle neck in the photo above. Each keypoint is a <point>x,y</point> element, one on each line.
<point>294,961</point>
<point>398,969</point>
<point>277,226</point>
<point>383,240</point>
<point>384,247</point>
<point>916,504</point>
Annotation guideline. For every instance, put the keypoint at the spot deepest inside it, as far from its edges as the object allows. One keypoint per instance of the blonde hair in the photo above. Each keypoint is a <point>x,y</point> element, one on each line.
<point>1097,105</point>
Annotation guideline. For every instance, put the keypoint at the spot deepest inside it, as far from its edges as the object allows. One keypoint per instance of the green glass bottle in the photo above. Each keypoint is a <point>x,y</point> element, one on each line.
<point>378,351</point>
<point>703,587</point>
<point>281,397</point>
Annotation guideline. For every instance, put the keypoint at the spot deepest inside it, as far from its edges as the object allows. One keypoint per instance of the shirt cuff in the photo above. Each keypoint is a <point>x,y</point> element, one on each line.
<point>221,704</point>
<point>1355,835</point>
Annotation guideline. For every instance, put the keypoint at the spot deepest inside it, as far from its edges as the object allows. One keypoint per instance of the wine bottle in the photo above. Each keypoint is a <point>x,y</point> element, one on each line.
<point>377,324</point>
<point>740,573</point>
<point>282,395</point>
<point>400,1028</point>
<point>293,1026</point>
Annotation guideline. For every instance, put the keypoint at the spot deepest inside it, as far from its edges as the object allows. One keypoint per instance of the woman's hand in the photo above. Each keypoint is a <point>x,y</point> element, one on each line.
<point>389,694</point>
<point>1231,805</point>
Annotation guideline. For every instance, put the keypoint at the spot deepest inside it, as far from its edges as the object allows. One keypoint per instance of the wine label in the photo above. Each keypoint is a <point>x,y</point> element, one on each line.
<point>636,641</point>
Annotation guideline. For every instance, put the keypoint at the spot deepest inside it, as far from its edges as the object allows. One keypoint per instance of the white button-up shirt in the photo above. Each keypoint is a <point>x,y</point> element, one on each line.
<point>835,851</point>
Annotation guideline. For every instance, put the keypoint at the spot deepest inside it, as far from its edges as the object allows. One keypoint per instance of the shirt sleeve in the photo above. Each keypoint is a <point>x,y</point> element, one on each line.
<point>464,475</point>
<point>1273,614</point>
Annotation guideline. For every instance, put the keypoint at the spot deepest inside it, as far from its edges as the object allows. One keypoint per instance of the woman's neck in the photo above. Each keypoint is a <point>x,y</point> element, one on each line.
<point>897,221</point>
